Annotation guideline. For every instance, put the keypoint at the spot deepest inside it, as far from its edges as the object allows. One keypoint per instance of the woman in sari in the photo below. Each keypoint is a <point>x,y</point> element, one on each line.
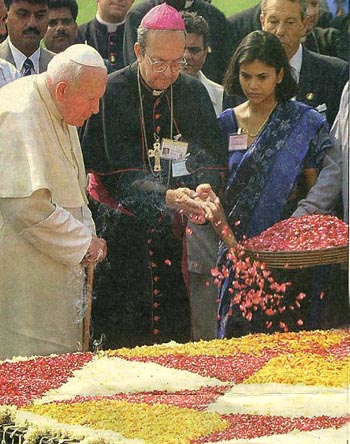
<point>276,147</point>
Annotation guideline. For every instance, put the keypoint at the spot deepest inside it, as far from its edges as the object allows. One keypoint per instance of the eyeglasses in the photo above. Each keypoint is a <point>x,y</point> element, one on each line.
<point>175,66</point>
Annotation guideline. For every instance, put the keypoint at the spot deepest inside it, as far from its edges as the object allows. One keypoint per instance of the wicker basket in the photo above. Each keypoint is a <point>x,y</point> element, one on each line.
<point>301,259</point>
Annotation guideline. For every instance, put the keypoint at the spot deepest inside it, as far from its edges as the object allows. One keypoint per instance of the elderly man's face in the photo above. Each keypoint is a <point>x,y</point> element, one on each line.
<point>163,49</point>
<point>62,30</point>
<point>27,25</point>
<point>77,104</point>
<point>113,11</point>
<point>3,17</point>
<point>284,19</point>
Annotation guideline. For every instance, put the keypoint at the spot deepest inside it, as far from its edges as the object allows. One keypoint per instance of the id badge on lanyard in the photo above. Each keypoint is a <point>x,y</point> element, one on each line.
<point>173,149</point>
<point>238,142</point>
<point>176,152</point>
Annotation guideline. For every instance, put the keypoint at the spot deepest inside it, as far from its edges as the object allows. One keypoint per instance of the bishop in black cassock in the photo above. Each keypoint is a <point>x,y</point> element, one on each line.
<point>140,292</point>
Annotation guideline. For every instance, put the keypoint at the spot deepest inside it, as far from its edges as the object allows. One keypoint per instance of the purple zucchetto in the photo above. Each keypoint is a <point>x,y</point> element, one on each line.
<point>163,17</point>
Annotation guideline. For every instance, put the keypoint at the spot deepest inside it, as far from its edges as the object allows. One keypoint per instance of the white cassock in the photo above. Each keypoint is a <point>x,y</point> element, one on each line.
<point>45,224</point>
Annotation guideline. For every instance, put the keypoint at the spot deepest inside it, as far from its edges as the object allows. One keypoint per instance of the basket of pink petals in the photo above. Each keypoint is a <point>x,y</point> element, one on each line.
<point>301,242</point>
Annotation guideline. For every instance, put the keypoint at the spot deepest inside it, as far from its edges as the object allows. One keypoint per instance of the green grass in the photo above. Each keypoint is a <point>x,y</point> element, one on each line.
<point>87,8</point>
<point>230,7</point>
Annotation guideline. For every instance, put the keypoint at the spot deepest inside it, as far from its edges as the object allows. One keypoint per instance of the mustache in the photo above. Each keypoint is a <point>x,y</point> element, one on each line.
<point>31,31</point>
<point>61,34</point>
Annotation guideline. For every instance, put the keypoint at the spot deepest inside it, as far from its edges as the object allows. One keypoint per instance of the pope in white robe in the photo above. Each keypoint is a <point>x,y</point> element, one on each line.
<point>46,228</point>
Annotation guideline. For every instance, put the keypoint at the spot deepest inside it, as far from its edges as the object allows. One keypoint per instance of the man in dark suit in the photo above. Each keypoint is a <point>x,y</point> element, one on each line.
<point>220,42</point>
<point>106,31</point>
<point>26,24</point>
<point>320,78</point>
<point>248,20</point>
<point>317,39</point>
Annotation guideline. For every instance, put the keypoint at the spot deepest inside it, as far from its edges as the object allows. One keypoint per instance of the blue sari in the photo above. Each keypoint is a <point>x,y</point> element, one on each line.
<point>263,176</point>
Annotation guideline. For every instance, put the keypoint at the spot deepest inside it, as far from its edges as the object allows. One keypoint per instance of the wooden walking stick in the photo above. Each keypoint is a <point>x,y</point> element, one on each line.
<point>87,317</point>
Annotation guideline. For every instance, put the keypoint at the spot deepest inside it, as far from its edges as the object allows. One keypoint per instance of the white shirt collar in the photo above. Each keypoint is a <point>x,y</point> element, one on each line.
<point>111,27</point>
<point>20,58</point>
<point>296,62</point>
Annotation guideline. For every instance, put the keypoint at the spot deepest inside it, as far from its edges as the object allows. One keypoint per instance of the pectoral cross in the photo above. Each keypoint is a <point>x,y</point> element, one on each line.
<point>156,154</point>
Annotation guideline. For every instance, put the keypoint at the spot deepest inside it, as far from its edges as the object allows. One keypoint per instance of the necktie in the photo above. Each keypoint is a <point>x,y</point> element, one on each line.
<point>28,67</point>
<point>340,9</point>
<point>295,73</point>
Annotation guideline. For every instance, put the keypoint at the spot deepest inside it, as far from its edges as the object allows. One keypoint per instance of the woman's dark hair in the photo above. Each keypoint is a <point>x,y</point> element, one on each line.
<point>265,47</point>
